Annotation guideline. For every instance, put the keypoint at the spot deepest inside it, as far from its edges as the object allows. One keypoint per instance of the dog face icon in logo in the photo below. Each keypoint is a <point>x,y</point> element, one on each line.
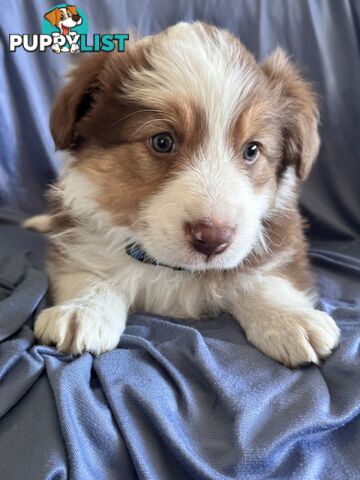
<point>64,19</point>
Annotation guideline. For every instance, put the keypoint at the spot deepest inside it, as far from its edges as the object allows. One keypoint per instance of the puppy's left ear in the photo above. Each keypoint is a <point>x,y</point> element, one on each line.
<point>299,112</point>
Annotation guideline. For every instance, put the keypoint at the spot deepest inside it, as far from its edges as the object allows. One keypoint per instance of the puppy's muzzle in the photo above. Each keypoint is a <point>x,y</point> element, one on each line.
<point>209,238</point>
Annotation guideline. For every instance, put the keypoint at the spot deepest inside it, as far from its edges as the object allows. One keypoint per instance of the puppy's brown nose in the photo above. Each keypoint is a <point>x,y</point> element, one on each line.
<point>76,18</point>
<point>209,238</point>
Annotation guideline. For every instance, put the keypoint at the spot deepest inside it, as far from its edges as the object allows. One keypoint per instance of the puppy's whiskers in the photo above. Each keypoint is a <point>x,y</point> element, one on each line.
<point>159,120</point>
<point>146,110</point>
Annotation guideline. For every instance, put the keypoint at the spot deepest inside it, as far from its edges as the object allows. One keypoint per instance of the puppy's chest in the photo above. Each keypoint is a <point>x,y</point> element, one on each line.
<point>164,291</point>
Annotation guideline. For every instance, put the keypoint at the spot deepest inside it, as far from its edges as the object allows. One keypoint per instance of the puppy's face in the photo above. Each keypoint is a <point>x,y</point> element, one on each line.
<point>189,143</point>
<point>64,18</point>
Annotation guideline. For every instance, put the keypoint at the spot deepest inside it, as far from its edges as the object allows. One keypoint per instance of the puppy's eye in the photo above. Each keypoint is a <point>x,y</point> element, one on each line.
<point>251,152</point>
<point>62,16</point>
<point>162,142</point>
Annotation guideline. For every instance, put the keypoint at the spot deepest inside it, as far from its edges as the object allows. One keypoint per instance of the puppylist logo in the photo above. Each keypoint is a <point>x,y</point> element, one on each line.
<point>65,29</point>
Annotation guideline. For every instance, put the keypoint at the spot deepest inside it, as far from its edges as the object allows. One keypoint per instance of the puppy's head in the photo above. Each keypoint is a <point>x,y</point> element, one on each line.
<point>64,18</point>
<point>188,142</point>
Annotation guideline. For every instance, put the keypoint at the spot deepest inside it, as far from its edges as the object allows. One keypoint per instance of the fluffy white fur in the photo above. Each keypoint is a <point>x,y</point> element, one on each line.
<point>214,190</point>
<point>178,70</point>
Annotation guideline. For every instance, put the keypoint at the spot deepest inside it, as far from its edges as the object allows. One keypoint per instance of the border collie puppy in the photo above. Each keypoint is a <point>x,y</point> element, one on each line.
<point>179,195</point>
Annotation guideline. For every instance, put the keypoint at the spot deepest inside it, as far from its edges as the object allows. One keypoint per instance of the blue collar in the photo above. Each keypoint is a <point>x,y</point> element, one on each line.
<point>141,256</point>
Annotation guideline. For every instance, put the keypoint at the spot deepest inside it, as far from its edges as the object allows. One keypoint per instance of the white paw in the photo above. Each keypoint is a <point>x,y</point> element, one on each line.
<point>78,327</point>
<point>74,48</point>
<point>56,48</point>
<point>295,338</point>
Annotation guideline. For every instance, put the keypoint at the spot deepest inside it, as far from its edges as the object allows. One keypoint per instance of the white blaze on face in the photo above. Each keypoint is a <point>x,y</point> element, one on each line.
<point>225,195</point>
<point>214,71</point>
<point>188,62</point>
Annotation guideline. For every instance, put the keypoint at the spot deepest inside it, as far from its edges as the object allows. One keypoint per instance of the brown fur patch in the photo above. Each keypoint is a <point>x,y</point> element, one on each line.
<point>110,134</point>
<point>286,233</point>
<point>91,106</point>
<point>258,122</point>
<point>297,106</point>
<point>129,173</point>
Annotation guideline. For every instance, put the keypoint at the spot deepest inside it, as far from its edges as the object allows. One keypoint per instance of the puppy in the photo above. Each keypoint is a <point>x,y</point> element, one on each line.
<point>64,19</point>
<point>179,195</point>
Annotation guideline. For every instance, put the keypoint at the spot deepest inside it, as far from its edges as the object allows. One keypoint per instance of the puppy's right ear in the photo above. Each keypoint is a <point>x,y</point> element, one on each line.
<point>76,100</point>
<point>51,16</point>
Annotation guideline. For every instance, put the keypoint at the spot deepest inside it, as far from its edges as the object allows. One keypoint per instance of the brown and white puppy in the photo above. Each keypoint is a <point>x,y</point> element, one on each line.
<point>187,149</point>
<point>64,18</point>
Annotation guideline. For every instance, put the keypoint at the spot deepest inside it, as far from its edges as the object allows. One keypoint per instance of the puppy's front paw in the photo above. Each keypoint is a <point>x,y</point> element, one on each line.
<point>74,48</point>
<point>56,48</point>
<point>295,338</point>
<point>78,327</point>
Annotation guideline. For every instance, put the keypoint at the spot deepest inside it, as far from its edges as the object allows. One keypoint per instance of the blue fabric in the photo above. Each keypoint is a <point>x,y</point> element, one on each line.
<point>181,400</point>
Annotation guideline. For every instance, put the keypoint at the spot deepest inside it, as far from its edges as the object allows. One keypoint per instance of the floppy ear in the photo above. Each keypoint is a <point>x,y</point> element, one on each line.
<point>72,9</point>
<point>75,101</point>
<point>299,112</point>
<point>52,16</point>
